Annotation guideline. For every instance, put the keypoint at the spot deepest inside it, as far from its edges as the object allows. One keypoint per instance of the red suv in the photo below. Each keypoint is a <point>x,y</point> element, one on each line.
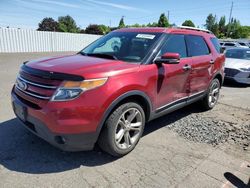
<point>106,94</point>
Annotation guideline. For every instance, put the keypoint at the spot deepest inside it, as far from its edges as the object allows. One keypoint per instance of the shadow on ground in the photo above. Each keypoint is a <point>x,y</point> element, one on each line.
<point>22,151</point>
<point>231,83</point>
<point>236,181</point>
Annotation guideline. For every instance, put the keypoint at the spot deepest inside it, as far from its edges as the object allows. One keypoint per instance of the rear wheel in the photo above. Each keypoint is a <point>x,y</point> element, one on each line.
<point>212,96</point>
<point>123,129</point>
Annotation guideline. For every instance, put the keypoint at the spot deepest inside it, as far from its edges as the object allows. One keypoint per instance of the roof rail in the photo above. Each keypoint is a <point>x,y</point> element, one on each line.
<point>193,28</point>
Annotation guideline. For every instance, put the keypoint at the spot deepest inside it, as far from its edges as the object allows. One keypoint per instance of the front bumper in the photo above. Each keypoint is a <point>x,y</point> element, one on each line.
<point>35,121</point>
<point>241,77</point>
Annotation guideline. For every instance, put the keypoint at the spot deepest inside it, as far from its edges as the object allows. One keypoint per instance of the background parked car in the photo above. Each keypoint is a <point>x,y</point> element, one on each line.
<point>228,45</point>
<point>244,44</point>
<point>237,66</point>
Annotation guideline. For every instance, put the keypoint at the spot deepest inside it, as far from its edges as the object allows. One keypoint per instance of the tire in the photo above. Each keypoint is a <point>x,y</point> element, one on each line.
<point>121,134</point>
<point>212,96</point>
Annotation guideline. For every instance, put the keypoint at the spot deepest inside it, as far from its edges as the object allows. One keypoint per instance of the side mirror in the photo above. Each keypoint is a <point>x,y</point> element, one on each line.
<point>168,58</point>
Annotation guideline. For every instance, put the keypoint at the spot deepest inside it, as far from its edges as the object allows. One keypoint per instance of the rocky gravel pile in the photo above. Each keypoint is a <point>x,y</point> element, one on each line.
<point>197,128</point>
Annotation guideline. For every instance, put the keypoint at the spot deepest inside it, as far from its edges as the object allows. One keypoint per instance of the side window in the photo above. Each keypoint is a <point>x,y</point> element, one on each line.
<point>175,44</point>
<point>216,44</point>
<point>197,46</point>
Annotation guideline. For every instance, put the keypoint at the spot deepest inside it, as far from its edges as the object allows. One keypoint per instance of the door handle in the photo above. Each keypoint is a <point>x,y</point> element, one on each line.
<point>211,61</point>
<point>187,67</point>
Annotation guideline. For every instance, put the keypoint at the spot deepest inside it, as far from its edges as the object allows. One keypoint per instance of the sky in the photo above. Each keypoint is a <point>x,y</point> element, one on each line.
<point>26,14</point>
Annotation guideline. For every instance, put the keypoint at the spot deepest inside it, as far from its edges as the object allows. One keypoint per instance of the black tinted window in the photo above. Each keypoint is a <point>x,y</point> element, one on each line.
<point>216,44</point>
<point>229,44</point>
<point>175,44</point>
<point>196,46</point>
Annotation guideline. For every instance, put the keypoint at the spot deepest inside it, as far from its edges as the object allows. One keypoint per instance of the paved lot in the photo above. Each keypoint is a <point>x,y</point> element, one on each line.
<point>163,158</point>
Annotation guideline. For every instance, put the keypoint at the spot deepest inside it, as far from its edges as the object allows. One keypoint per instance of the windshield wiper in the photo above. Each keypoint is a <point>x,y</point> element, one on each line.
<point>82,53</point>
<point>107,56</point>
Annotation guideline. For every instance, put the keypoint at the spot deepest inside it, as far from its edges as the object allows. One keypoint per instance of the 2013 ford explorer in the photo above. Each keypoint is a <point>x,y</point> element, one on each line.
<point>105,95</point>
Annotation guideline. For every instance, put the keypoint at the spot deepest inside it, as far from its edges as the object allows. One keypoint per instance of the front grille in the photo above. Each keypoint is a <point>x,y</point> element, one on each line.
<point>231,72</point>
<point>35,90</point>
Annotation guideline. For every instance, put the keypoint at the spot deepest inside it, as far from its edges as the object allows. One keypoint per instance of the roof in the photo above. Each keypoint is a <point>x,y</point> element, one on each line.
<point>181,30</point>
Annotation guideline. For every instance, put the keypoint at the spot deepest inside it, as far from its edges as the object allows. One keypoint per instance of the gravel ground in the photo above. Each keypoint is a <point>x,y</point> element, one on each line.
<point>199,128</point>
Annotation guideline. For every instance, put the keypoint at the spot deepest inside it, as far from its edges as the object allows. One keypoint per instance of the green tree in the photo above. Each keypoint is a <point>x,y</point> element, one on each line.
<point>222,27</point>
<point>154,24</point>
<point>93,29</point>
<point>136,25</point>
<point>48,24</point>
<point>244,31</point>
<point>210,22</point>
<point>235,29</point>
<point>212,25</point>
<point>67,24</point>
<point>104,29</point>
<point>188,23</point>
<point>215,29</point>
<point>163,21</point>
<point>121,23</point>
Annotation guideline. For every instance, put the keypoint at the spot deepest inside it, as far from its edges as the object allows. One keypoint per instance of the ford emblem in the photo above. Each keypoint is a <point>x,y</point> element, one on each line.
<point>22,85</point>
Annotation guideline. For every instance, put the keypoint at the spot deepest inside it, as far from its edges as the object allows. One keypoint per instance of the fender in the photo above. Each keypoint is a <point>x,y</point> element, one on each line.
<point>218,74</point>
<point>119,99</point>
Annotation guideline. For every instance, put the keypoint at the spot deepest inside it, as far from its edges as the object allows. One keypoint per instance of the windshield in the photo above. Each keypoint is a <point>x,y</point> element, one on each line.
<point>238,54</point>
<point>125,46</point>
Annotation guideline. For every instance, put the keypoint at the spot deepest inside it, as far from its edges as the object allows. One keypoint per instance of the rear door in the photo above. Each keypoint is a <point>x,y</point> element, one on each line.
<point>202,61</point>
<point>172,83</point>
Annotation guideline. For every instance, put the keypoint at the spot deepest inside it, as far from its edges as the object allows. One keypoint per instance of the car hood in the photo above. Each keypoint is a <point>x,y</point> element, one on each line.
<point>233,63</point>
<point>88,67</point>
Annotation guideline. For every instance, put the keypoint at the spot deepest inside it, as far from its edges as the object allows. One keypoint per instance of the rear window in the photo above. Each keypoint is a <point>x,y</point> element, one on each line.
<point>197,46</point>
<point>216,44</point>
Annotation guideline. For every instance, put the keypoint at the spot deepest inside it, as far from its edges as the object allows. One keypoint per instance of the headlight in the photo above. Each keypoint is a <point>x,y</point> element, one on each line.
<point>70,89</point>
<point>245,69</point>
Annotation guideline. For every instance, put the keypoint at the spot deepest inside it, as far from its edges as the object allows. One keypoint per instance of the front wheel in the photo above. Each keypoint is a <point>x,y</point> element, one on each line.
<point>212,96</point>
<point>123,129</point>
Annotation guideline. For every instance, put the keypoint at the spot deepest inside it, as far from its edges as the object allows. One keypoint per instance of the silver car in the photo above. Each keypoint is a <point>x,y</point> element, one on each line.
<point>228,45</point>
<point>237,65</point>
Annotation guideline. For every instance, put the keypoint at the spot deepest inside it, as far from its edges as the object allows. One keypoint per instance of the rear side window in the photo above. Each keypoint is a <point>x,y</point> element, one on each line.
<point>196,46</point>
<point>175,44</point>
<point>216,44</point>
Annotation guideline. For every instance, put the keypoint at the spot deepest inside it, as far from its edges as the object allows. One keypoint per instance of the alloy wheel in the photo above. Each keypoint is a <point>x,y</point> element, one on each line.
<point>128,128</point>
<point>214,94</point>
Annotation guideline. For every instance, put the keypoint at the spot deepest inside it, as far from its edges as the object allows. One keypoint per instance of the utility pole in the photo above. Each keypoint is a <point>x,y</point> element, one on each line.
<point>168,15</point>
<point>231,10</point>
<point>230,17</point>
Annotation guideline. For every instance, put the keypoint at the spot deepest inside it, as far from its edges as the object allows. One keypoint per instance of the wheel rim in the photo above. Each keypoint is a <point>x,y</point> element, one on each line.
<point>214,94</point>
<point>128,128</point>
